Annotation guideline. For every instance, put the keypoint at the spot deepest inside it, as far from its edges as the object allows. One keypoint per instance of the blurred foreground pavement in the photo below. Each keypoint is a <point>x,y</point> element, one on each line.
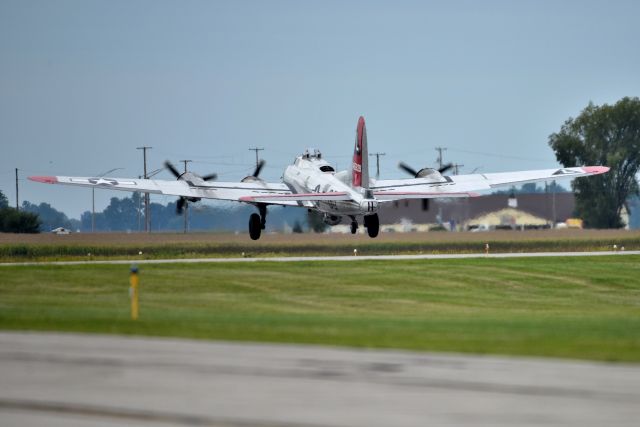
<point>91,380</point>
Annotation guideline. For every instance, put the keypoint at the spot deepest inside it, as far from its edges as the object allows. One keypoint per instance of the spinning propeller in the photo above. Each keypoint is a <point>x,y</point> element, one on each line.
<point>256,173</point>
<point>182,200</point>
<point>424,171</point>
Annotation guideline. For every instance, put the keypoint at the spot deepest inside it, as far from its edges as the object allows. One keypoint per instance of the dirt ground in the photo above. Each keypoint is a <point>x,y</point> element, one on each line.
<point>310,238</point>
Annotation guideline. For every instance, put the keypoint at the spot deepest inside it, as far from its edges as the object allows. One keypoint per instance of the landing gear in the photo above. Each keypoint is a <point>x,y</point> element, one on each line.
<point>258,222</point>
<point>373,225</point>
<point>254,226</point>
<point>263,215</point>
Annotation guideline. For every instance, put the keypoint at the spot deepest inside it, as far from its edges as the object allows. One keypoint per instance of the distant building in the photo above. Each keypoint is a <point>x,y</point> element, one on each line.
<point>536,210</point>
<point>60,230</point>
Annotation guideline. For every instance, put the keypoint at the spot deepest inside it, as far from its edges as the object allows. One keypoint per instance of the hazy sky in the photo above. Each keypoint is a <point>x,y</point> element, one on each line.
<point>83,83</point>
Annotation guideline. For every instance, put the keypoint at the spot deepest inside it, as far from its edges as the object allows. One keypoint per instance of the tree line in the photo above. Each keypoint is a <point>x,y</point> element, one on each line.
<point>127,214</point>
<point>14,221</point>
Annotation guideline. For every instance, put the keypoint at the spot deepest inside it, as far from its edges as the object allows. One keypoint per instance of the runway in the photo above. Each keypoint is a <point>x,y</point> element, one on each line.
<point>92,380</point>
<point>354,257</point>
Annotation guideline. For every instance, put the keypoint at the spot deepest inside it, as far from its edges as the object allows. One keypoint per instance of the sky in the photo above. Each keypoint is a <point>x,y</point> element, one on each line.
<point>83,83</point>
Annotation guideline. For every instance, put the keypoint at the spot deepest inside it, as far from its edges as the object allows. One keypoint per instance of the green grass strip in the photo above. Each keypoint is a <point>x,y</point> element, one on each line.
<point>583,307</point>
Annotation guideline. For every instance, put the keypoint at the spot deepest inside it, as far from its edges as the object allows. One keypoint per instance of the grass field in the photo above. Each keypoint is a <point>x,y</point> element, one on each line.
<point>583,307</point>
<point>20,247</point>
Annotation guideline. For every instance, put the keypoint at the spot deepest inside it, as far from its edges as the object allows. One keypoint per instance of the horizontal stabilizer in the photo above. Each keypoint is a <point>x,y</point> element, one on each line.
<point>301,197</point>
<point>398,195</point>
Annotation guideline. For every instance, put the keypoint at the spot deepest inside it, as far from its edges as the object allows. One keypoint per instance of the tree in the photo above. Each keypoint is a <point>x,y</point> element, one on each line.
<point>50,217</point>
<point>607,135</point>
<point>14,221</point>
<point>121,214</point>
<point>4,202</point>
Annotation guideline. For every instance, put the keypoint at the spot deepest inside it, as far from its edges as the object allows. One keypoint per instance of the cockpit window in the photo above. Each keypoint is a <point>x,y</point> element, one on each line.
<point>327,168</point>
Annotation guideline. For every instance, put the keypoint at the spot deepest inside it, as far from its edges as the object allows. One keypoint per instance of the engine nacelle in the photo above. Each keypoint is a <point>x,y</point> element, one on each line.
<point>430,174</point>
<point>331,219</point>
<point>369,206</point>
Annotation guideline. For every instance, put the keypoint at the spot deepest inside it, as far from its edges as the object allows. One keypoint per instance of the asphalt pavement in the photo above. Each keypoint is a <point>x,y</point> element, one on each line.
<point>58,379</point>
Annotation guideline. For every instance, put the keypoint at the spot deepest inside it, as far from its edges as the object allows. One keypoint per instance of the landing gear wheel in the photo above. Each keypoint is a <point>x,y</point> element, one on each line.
<point>373,225</point>
<point>354,227</point>
<point>254,226</point>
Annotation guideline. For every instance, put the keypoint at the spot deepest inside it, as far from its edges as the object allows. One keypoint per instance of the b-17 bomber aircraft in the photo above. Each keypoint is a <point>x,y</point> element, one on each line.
<point>312,183</point>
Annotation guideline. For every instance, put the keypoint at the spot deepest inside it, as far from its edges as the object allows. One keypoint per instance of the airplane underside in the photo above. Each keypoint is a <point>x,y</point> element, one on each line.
<point>257,221</point>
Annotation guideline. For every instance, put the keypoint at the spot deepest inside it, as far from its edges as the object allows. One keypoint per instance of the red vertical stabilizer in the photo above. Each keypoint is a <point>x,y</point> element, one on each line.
<point>360,166</point>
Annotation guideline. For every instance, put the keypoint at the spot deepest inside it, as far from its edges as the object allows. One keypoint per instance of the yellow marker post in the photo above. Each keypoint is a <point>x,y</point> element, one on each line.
<point>134,280</point>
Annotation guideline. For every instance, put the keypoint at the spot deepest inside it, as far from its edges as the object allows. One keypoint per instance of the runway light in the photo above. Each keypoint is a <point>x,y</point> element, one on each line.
<point>134,281</point>
<point>355,252</point>
<point>486,249</point>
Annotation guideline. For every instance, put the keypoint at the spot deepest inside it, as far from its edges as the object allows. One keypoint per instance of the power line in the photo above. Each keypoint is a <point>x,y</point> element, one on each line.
<point>256,149</point>
<point>439,160</point>
<point>139,208</point>
<point>17,200</point>
<point>377,162</point>
<point>499,156</point>
<point>147,219</point>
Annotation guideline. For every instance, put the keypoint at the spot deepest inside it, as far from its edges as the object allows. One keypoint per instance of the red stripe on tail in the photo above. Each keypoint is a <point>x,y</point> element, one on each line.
<point>356,177</point>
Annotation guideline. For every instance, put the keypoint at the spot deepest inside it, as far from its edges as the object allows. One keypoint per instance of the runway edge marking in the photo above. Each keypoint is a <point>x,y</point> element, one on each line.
<point>325,258</point>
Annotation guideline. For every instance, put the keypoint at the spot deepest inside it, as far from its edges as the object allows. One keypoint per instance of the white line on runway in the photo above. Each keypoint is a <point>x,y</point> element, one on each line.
<point>329,258</point>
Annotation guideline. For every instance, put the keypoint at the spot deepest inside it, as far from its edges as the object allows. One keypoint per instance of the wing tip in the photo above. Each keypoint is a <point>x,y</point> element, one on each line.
<point>44,179</point>
<point>595,170</point>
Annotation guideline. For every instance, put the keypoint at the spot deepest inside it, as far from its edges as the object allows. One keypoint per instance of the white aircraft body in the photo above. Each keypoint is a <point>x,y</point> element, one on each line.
<point>312,183</point>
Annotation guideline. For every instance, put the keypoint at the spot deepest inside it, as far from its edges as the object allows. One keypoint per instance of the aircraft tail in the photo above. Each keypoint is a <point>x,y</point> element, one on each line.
<point>360,166</point>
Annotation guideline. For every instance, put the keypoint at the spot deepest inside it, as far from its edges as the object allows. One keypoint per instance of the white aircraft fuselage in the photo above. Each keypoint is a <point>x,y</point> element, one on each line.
<point>310,173</point>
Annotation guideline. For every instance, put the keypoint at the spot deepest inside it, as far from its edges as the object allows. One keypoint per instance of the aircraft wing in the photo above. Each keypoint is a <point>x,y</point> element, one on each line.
<point>253,191</point>
<point>470,185</point>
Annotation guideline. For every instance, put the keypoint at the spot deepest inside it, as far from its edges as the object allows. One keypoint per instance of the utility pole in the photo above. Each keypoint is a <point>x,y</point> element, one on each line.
<point>17,203</point>
<point>439,160</point>
<point>553,202</point>
<point>139,207</point>
<point>456,168</point>
<point>256,149</point>
<point>377,162</point>
<point>186,205</point>
<point>147,219</point>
